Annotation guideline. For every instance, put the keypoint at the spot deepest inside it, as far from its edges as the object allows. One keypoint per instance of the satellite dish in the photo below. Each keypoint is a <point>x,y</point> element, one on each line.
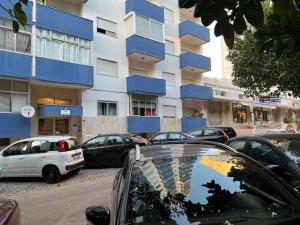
<point>27,111</point>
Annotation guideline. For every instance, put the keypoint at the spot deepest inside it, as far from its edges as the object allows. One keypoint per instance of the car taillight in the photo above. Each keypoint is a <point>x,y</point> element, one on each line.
<point>61,146</point>
<point>226,138</point>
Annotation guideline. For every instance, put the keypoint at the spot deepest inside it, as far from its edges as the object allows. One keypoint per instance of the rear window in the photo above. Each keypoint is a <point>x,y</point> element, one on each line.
<point>214,189</point>
<point>70,144</point>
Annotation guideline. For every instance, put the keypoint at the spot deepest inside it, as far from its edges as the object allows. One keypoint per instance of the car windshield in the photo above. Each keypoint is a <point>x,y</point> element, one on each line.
<point>222,189</point>
<point>291,148</point>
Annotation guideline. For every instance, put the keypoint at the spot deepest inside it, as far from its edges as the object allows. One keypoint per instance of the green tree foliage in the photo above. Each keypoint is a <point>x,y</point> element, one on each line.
<point>259,72</point>
<point>279,31</point>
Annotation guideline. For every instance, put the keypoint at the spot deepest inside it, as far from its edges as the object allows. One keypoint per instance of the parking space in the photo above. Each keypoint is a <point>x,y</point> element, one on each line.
<point>62,203</point>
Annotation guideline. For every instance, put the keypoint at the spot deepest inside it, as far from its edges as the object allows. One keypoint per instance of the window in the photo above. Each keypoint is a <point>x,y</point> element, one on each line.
<point>209,132</point>
<point>53,101</point>
<point>143,105</point>
<point>170,47</point>
<point>169,111</point>
<point>107,67</point>
<point>98,141</point>
<point>174,137</point>
<point>114,140</point>
<point>16,149</point>
<point>46,126</point>
<point>39,147</point>
<point>170,78</point>
<point>149,28</point>
<point>196,133</point>
<point>18,42</point>
<point>169,15</point>
<point>13,95</point>
<point>160,137</point>
<point>54,45</point>
<point>239,113</point>
<point>106,27</point>
<point>107,108</point>
<point>54,126</point>
<point>238,145</point>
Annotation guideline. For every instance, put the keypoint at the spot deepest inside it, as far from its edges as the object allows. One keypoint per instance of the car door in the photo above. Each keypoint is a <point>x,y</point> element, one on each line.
<point>93,151</point>
<point>35,157</point>
<point>13,160</point>
<point>114,151</point>
<point>159,139</point>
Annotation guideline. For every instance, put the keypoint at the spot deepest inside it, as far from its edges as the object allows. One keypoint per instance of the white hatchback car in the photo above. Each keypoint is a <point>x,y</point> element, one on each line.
<point>48,157</point>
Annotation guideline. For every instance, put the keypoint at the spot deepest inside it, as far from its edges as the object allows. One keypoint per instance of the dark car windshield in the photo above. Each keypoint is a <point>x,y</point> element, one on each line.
<point>221,189</point>
<point>291,148</point>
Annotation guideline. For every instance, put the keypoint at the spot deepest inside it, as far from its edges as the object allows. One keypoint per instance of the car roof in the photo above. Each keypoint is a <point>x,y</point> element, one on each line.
<point>152,152</point>
<point>266,136</point>
<point>48,138</point>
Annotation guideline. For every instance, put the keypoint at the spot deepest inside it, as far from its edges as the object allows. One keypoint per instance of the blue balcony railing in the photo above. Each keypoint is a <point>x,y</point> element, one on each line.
<point>191,91</point>
<point>146,85</point>
<point>8,5</point>
<point>55,71</point>
<point>189,28</point>
<point>60,21</point>
<point>14,125</point>
<point>60,111</point>
<point>15,65</point>
<point>192,60</point>
<point>143,46</point>
<point>189,123</point>
<point>143,124</point>
<point>146,9</point>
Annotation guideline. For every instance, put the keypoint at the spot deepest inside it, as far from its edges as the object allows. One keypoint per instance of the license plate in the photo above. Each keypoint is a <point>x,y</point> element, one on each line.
<point>77,156</point>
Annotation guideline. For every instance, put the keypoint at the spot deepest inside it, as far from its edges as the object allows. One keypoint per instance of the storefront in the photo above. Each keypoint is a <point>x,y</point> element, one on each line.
<point>239,113</point>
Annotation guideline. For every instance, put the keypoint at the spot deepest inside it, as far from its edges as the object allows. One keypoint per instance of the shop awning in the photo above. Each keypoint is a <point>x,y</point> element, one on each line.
<point>60,111</point>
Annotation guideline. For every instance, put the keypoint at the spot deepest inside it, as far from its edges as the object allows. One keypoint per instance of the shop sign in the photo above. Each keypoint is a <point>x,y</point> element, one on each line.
<point>65,112</point>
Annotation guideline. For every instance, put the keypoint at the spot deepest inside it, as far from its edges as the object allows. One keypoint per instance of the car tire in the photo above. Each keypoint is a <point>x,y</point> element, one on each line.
<point>51,174</point>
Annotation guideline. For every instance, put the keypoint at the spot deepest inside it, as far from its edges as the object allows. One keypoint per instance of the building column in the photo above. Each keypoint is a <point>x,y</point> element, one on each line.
<point>226,113</point>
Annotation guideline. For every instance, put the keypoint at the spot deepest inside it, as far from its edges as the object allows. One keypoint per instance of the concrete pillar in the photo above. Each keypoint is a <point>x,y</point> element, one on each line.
<point>279,115</point>
<point>226,113</point>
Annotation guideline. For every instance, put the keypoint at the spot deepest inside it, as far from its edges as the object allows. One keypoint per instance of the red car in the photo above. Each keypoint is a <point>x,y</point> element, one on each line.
<point>9,212</point>
<point>137,139</point>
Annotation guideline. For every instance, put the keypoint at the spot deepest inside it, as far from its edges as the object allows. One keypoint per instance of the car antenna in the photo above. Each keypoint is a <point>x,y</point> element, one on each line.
<point>137,152</point>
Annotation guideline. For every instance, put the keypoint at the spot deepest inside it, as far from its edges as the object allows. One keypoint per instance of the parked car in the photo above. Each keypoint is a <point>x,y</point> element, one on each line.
<point>196,184</point>
<point>48,157</point>
<point>209,134</point>
<point>229,131</point>
<point>106,150</point>
<point>171,138</point>
<point>279,152</point>
<point>9,212</point>
<point>137,139</point>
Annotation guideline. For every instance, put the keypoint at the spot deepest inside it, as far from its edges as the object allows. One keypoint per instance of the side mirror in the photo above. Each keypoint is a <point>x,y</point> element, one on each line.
<point>98,215</point>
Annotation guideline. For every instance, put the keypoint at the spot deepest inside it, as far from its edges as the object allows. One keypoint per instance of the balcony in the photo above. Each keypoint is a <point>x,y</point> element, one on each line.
<point>144,49</point>
<point>8,5</point>
<point>54,71</point>
<point>189,123</point>
<point>191,91</point>
<point>146,85</point>
<point>141,124</point>
<point>60,21</point>
<point>15,65</point>
<point>14,125</point>
<point>193,33</point>
<point>192,62</point>
<point>60,111</point>
<point>146,9</point>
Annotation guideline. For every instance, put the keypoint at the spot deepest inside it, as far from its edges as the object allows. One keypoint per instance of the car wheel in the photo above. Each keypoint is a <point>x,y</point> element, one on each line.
<point>51,174</point>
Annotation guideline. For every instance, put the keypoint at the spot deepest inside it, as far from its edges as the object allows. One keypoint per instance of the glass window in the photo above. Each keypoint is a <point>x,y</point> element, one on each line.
<point>63,47</point>
<point>174,137</point>
<point>62,126</point>
<point>18,101</point>
<point>4,102</point>
<point>5,85</point>
<point>98,141</point>
<point>20,42</point>
<point>17,149</point>
<point>107,109</point>
<point>169,15</point>
<point>106,27</point>
<point>170,47</point>
<point>239,113</point>
<point>196,133</point>
<point>114,140</point>
<point>144,105</point>
<point>169,111</point>
<point>291,148</point>
<point>156,29</point>
<point>39,147</point>
<point>46,127</point>
<point>142,26</point>
<point>160,137</point>
<point>209,132</point>
<point>238,145</point>
<point>107,67</point>
<point>205,190</point>
<point>170,78</point>
<point>19,86</point>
